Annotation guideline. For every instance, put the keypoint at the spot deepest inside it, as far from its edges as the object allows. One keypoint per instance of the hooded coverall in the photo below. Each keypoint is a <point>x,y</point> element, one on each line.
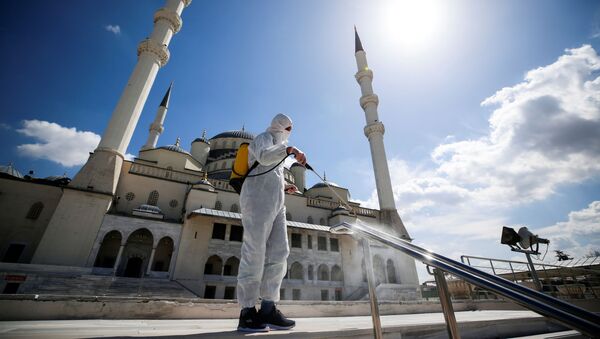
<point>265,243</point>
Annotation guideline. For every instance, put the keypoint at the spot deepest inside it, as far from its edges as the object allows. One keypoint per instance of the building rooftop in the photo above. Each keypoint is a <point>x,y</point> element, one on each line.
<point>238,216</point>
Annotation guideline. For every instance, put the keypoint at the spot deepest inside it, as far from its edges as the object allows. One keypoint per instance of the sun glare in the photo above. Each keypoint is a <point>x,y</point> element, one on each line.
<point>411,25</point>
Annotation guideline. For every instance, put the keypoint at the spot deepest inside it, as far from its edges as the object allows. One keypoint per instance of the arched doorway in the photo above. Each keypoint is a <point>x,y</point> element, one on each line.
<point>162,256</point>
<point>136,253</point>
<point>109,249</point>
<point>133,268</point>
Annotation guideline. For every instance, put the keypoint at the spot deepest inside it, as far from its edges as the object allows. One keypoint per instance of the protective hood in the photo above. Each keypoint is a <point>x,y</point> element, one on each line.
<point>278,125</point>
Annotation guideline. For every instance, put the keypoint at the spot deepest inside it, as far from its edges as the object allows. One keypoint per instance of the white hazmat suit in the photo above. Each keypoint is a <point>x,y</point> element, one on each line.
<point>265,244</point>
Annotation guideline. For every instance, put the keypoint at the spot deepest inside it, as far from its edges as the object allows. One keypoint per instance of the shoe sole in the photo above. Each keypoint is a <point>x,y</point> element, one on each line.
<point>253,330</point>
<point>282,328</point>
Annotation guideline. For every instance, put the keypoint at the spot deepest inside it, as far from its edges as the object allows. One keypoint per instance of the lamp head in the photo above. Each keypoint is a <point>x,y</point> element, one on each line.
<point>509,237</point>
<point>529,239</point>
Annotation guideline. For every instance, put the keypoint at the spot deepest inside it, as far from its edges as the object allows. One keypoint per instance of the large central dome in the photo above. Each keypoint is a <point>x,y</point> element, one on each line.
<point>234,134</point>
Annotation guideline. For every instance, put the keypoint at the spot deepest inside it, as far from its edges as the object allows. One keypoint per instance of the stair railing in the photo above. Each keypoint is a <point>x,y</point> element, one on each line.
<point>567,314</point>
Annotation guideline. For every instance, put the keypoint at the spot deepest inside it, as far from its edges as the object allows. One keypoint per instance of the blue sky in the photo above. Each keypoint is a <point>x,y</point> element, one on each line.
<point>460,168</point>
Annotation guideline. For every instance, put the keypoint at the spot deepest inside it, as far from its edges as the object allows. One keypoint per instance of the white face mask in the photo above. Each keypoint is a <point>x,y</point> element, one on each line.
<point>278,128</point>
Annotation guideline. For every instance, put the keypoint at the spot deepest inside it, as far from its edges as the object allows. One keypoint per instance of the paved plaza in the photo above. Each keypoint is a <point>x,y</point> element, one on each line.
<point>322,327</point>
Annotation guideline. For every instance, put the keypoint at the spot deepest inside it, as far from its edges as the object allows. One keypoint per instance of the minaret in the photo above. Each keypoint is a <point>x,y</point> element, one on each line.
<point>157,127</point>
<point>85,201</point>
<point>374,131</point>
<point>100,173</point>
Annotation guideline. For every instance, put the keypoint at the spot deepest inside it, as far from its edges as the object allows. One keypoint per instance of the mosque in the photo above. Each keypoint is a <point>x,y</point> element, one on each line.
<point>170,215</point>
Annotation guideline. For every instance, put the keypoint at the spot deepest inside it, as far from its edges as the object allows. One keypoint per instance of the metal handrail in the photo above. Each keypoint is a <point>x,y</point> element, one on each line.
<point>567,314</point>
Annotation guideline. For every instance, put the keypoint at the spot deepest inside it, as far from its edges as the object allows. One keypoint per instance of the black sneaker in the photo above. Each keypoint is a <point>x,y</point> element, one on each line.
<point>250,321</point>
<point>275,320</point>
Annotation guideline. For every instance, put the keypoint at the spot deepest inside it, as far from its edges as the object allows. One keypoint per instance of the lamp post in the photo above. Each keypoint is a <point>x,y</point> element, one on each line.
<point>523,242</point>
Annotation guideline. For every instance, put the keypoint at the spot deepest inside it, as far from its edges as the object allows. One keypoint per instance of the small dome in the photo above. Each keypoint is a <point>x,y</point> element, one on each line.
<point>59,179</point>
<point>340,210</point>
<point>322,184</point>
<point>174,148</point>
<point>201,140</point>
<point>10,170</point>
<point>234,134</point>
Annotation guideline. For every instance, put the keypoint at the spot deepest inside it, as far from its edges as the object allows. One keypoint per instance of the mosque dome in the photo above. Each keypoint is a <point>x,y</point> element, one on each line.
<point>58,179</point>
<point>10,170</point>
<point>322,184</point>
<point>235,134</point>
<point>175,148</point>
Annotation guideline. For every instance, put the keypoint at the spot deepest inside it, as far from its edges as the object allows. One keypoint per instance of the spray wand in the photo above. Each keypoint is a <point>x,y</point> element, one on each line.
<point>308,167</point>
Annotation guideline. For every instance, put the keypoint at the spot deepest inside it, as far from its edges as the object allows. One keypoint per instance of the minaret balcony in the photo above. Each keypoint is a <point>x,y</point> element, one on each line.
<point>368,99</point>
<point>365,73</point>
<point>160,52</point>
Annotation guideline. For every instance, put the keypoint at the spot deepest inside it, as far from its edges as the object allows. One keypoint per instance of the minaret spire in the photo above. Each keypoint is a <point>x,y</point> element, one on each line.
<point>357,44</point>
<point>165,100</point>
<point>374,131</point>
<point>157,126</point>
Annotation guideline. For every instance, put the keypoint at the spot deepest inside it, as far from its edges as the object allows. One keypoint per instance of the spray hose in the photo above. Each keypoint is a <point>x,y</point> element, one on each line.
<point>309,167</point>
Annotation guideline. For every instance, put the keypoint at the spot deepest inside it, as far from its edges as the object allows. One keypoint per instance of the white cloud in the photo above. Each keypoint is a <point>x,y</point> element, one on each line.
<point>59,144</point>
<point>129,156</point>
<point>579,234</point>
<point>116,29</point>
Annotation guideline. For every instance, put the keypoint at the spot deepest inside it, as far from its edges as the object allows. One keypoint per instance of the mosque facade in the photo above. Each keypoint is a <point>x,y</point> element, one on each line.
<point>170,213</point>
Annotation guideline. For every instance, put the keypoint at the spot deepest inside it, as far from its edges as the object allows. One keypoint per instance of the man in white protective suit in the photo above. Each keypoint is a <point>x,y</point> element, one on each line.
<point>265,244</point>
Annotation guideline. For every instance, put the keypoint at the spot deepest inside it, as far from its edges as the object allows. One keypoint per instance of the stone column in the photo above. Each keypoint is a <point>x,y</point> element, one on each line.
<point>151,260</point>
<point>116,266</point>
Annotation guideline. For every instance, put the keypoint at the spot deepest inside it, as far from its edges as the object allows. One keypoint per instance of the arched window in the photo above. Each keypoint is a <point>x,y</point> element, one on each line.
<point>231,266</point>
<point>173,203</point>
<point>168,172</point>
<point>153,198</point>
<point>234,145</point>
<point>322,221</point>
<point>378,270</point>
<point>234,208</point>
<point>225,143</point>
<point>213,265</point>
<point>218,205</point>
<point>323,272</point>
<point>35,210</point>
<point>288,216</point>
<point>309,219</point>
<point>391,272</point>
<point>311,275</point>
<point>296,271</point>
<point>336,273</point>
<point>224,165</point>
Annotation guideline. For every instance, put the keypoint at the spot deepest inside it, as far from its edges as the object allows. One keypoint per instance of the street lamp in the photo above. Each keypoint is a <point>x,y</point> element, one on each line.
<point>524,242</point>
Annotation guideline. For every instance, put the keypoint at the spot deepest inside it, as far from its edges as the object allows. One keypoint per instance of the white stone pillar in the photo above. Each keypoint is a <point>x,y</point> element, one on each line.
<point>172,262</point>
<point>374,131</point>
<point>101,172</point>
<point>151,260</point>
<point>116,266</point>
